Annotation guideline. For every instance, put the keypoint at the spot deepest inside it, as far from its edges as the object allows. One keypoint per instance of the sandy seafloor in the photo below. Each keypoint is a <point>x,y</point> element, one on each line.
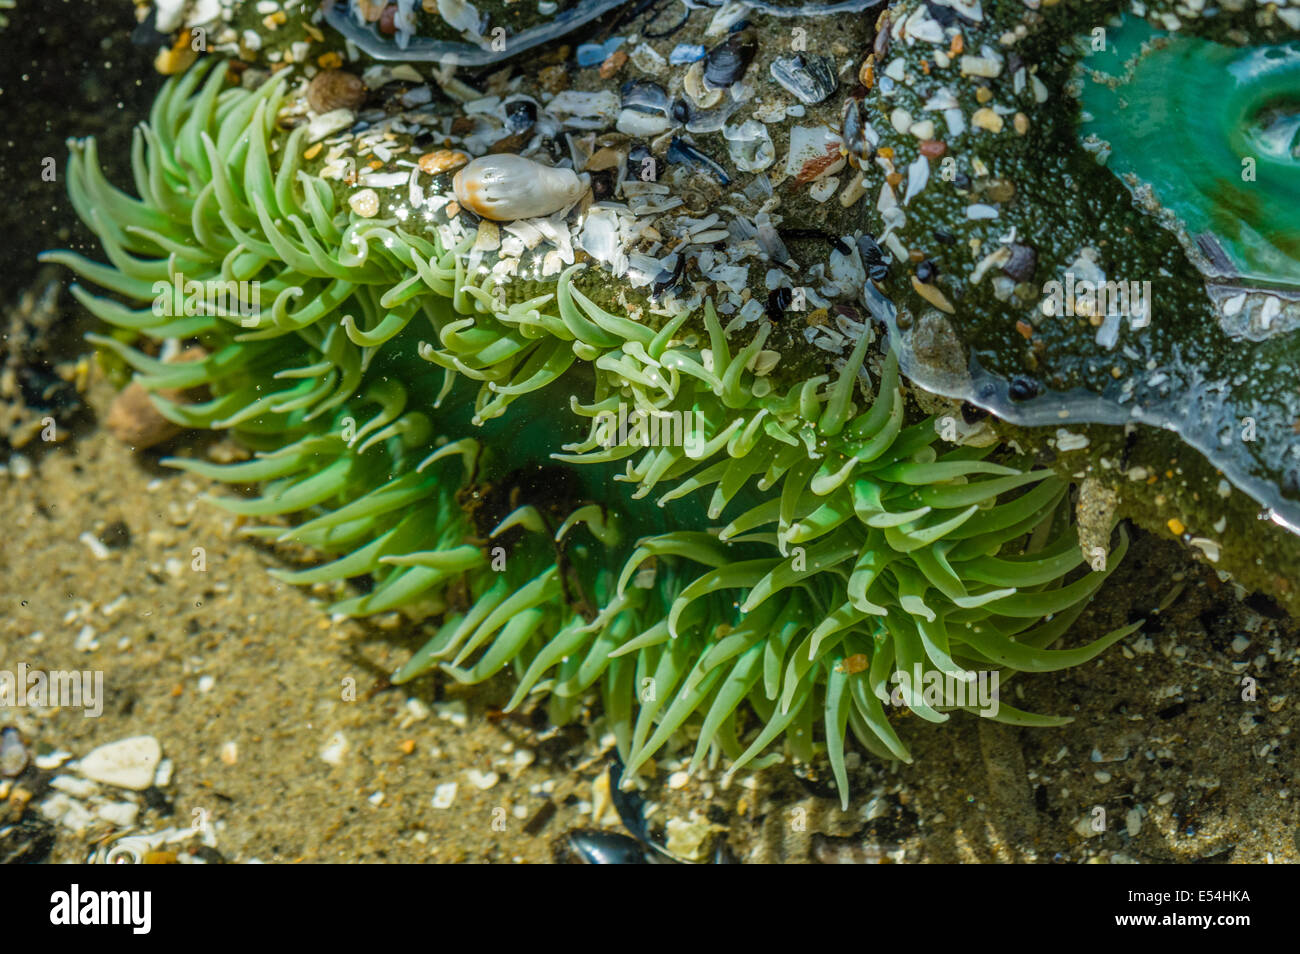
<point>241,679</point>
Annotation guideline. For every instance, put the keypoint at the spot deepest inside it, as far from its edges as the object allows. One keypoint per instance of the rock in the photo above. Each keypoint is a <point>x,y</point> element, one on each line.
<point>1095,512</point>
<point>134,420</point>
<point>129,763</point>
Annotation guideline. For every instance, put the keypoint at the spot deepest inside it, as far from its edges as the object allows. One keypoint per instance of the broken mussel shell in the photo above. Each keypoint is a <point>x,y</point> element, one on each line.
<point>478,45</point>
<point>810,77</point>
<point>860,138</point>
<point>727,62</point>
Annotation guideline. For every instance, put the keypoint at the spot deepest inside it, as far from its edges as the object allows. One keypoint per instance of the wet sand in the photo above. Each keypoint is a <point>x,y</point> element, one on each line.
<point>244,681</point>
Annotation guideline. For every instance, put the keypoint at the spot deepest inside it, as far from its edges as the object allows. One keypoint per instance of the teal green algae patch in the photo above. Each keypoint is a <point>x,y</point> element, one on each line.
<point>760,581</point>
<point>1047,280</point>
<point>1214,131</point>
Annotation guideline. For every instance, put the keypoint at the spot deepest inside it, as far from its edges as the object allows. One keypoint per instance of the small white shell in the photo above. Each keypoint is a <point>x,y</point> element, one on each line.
<point>508,187</point>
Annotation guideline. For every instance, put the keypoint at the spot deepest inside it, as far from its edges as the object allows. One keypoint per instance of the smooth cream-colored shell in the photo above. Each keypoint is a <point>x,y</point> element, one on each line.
<point>509,187</point>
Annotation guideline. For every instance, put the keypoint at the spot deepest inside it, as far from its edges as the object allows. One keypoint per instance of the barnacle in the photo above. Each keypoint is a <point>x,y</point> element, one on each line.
<point>454,446</point>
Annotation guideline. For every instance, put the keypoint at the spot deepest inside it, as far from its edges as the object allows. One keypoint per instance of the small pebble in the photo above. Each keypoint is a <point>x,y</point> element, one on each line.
<point>134,420</point>
<point>51,760</point>
<point>76,787</point>
<point>444,795</point>
<point>128,763</point>
<point>523,758</point>
<point>365,203</point>
<point>441,160</point>
<point>335,89</point>
<point>97,549</point>
<point>613,63</point>
<point>163,776</point>
<point>335,749</point>
<point>454,712</point>
<point>121,814</point>
<point>1133,822</point>
<point>86,641</point>
<point>13,754</point>
<point>987,119</point>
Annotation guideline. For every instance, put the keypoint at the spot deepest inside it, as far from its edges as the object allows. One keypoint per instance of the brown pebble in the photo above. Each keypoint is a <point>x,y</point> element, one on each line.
<point>555,56</point>
<point>388,20</point>
<point>514,143</point>
<point>613,63</point>
<point>607,158</point>
<point>441,160</point>
<point>1025,328</point>
<point>1000,190</point>
<point>553,79</point>
<point>135,421</point>
<point>933,148</point>
<point>894,178</point>
<point>335,89</point>
<point>1020,266</point>
<point>933,295</point>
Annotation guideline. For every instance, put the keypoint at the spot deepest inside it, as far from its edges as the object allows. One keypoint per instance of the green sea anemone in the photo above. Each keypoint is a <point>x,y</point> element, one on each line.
<point>764,578</point>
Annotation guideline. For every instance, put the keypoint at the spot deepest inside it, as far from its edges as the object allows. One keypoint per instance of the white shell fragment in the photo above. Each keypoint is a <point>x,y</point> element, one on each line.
<point>750,146</point>
<point>129,763</point>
